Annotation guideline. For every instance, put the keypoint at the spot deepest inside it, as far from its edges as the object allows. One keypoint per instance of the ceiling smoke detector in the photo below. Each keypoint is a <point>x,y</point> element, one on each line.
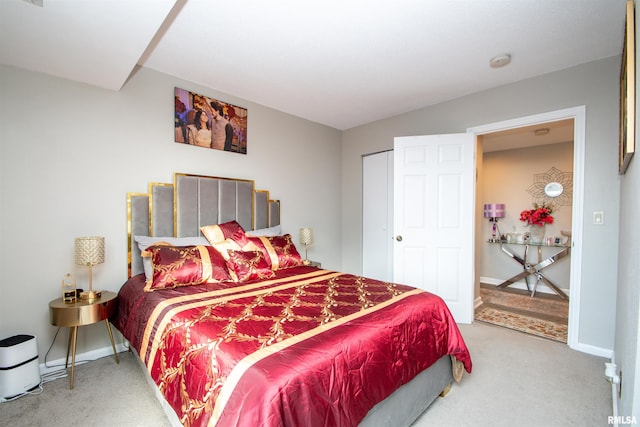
<point>500,61</point>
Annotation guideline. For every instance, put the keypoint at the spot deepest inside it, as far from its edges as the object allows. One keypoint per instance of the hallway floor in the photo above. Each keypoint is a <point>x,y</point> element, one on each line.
<point>544,315</point>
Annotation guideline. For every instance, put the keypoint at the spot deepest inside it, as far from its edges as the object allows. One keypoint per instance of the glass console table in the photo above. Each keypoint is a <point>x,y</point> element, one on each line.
<point>530,269</point>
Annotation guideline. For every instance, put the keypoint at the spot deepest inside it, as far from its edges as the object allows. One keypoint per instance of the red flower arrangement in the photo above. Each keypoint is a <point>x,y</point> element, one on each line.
<point>540,215</point>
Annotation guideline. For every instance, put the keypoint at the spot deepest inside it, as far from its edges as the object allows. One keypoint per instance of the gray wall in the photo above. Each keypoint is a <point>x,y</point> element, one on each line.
<point>627,334</point>
<point>594,85</point>
<point>70,152</point>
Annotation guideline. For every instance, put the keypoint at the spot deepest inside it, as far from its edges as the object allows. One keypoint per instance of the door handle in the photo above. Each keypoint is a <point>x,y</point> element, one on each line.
<point>399,238</point>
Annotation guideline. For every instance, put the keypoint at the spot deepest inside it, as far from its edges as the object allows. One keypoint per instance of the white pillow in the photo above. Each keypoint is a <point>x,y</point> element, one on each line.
<point>276,230</point>
<point>145,241</point>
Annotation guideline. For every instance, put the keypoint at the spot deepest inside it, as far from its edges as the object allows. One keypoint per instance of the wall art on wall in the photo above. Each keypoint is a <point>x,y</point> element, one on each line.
<point>628,92</point>
<point>553,188</point>
<point>207,122</point>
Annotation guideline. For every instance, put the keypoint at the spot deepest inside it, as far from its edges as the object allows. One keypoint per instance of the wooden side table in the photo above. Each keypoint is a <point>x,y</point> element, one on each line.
<point>81,313</point>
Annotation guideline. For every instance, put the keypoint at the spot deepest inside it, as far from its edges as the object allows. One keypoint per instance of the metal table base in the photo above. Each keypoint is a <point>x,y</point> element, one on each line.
<point>535,270</point>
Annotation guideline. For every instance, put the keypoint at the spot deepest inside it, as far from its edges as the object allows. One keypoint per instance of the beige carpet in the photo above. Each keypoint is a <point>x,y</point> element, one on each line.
<point>543,315</point>
<point>517,380</point>
<point>525,381</point>
<point>105,394</point>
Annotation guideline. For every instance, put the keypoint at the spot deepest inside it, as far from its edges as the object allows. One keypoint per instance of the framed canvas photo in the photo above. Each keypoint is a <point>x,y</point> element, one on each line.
<point>628,92</point>
<point>206,122</point>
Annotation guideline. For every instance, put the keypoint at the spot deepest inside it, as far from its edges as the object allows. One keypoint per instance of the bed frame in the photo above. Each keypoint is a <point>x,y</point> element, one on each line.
<point>191,201</point>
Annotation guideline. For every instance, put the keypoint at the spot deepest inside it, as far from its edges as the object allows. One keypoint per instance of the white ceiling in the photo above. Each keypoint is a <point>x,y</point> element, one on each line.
<point>552,133</point>
<point>342,63</point>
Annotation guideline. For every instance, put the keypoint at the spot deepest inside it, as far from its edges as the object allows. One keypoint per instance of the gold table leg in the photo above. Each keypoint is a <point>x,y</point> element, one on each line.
<point>73,338</point>
<point>115,353</point>
<point>66,361</point>
<point>73,356</point>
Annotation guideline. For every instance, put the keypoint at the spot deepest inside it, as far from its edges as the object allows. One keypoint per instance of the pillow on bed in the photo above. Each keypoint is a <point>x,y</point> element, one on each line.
<point>220,232</point>
<point>145,241</point>
<point>231,245</point>
<point>279,251</point>
<point>271,231</point>
<point>249,265</point>
<point>175,266</point>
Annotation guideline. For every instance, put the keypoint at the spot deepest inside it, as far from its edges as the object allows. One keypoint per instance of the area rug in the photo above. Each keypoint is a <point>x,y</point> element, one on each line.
<point>543,316</point>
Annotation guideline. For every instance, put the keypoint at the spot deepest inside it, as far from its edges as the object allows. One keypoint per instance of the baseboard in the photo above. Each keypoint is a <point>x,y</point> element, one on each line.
<point>81,358</point>
<point>541,288</point>
<point>477,303</point>
<point>593,350</point>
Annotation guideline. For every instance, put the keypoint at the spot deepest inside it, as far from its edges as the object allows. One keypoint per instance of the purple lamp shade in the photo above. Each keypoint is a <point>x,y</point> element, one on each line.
<point>494,210</point>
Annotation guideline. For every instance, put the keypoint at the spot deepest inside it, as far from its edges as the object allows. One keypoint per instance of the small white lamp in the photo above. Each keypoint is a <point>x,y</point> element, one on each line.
<point>306,238</point>
<point>89,252</point>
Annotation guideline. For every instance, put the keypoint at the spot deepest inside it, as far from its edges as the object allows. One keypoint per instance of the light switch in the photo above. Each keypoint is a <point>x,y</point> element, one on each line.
<point>598,218</point>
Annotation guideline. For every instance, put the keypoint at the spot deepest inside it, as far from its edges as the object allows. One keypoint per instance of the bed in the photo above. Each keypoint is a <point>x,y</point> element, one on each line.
<point>233,329</point>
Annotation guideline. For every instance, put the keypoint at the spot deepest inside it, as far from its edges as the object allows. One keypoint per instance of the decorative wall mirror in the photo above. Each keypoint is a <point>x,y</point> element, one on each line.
<point>552,188</point>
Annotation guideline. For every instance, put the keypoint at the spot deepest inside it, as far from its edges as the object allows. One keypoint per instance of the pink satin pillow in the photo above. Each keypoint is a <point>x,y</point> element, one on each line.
<point>175,266</point>
<point>278,250</point>
<point>249,265</point>
<point>218,233</point>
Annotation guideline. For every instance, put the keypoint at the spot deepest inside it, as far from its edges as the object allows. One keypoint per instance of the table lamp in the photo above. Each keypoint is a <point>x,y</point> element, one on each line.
<point>89,252</point>
<point>306,238</point>
<point>493,211</point>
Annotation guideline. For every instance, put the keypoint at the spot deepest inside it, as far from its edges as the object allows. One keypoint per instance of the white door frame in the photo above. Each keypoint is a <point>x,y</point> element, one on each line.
<point>578,114</point>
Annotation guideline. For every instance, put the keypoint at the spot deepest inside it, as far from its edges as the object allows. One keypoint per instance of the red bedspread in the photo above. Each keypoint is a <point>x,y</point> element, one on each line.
<point>310,347</point>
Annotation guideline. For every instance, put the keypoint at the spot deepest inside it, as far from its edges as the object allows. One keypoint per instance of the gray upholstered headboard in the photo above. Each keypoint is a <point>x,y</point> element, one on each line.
<point>192,201</point>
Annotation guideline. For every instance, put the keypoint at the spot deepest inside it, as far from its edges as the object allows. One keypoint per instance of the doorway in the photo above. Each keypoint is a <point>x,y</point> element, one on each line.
<point>577,115</point>
<point>517,169</point>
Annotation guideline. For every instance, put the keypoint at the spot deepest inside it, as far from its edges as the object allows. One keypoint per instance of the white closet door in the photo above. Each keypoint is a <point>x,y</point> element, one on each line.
<point>377,216</point>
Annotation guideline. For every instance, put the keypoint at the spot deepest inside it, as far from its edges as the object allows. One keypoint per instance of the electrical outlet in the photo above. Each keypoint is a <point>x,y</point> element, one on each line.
<point>598,218</point>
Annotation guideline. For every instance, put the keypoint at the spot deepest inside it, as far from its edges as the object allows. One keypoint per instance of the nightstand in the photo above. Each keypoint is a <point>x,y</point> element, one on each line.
<point>315,264</point>
<point>82,313</point>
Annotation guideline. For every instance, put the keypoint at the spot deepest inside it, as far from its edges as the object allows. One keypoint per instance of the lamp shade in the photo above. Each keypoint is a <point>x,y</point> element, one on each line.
<point>89,250</point>
<point>306,236</point>
<point>494,210</point>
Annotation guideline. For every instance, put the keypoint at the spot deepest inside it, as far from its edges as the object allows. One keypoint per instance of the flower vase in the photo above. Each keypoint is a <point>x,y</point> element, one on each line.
<point>537,233</point>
